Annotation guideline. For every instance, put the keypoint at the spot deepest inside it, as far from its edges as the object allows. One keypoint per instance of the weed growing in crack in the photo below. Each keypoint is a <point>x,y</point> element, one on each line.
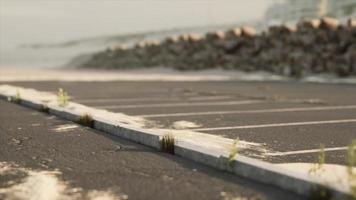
<point>318,192</point>
<point>167,143</point>
<point>351,161</point>
<point>351,158</point>
<point>44,108</point>
<point>233,152</point>
<point>17,97</point>
<point>353,191</point>
<point>62,98</point>
<point>320,162</point>
<point>86,120</point>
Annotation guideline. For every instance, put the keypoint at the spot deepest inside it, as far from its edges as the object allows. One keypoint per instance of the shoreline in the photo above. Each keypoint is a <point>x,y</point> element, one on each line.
<point>157,74</point>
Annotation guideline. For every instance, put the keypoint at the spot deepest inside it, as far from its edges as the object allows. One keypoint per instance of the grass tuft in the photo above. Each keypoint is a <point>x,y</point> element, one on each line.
<point>233,152</point>
<point>353,191</point>
<point>44,108</point>
<point>320,162</point>
<point>17,97</point>
<point>167,143</point>
<point>62,98</point>
<point>351,158</point>
<point>86,120</point>
<point>320,193</point>
<point>351,161</point>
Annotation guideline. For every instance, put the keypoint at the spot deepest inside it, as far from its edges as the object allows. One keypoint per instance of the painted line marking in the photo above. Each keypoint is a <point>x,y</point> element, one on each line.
<point>306,151</point>
<point>298,109</point>
<point>159,105</point>
<point>204,98</point>
<point>198,98</point>
<point>276,125</point>
<point>65,127</point>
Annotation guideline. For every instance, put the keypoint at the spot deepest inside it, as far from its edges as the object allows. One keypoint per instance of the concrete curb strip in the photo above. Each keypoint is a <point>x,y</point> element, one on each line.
<point>254,169</point>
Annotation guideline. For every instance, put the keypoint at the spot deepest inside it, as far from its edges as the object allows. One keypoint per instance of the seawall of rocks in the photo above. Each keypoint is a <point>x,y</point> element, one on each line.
<point>310,47</point>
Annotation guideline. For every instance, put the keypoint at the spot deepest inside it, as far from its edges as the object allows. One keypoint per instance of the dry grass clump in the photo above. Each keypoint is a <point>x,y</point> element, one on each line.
<point>320,193</point>
<point>44,108</point>
<point>86,120</point>
<point>167,143</point>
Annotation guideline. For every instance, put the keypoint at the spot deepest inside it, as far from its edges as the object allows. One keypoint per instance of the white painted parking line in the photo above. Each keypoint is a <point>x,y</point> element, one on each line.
<point>163,98</point>
<point>299,109</point>
<point>305,151</point>
<point>204,98</point>
<point>276,125</point>
<point>159,105</point>
<point>107,100</point>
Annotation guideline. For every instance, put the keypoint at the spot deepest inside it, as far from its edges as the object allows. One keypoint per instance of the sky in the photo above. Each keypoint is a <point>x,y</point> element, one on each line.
<point>59,20</point>
<point>27,22</point>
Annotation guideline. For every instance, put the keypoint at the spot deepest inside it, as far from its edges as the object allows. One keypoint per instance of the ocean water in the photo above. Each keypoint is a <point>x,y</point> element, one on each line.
<point>40,33</point>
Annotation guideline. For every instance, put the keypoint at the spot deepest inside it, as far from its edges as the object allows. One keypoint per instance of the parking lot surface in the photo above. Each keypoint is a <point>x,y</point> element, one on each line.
<point>288,120</point>
<point>41,153</point>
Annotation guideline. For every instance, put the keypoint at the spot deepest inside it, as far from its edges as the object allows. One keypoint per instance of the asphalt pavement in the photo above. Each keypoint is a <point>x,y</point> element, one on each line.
<point>94,161</point>
<point>291,120</point>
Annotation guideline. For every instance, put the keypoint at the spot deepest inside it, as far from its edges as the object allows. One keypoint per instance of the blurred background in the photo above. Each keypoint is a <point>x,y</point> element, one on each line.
<point>49,33</point>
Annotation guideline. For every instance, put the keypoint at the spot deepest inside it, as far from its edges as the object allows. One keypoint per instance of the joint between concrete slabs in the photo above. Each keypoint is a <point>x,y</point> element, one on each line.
<point>242,166</point>
<point>140,137</point>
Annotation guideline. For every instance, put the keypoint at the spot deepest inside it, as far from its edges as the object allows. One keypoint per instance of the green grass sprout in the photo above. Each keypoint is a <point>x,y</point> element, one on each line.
<point>62,98</point>
<point>351,158</point>
<point>233,152</point>
<point>320,162</point>
<point>17,98</point>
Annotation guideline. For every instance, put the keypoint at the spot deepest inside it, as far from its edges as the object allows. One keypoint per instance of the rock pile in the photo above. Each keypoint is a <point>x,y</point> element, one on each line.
<point>314,46</point>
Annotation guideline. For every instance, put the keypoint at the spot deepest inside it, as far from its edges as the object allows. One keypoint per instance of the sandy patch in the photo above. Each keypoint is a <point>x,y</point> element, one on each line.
<point>185,125</point>
<point>45,185</point>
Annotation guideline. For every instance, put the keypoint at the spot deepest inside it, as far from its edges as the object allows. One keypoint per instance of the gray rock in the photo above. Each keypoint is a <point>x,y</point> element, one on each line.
<point>314,46</point>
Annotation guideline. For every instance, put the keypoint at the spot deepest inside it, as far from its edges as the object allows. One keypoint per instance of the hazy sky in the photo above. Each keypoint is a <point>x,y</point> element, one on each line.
<point>32,21</point>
